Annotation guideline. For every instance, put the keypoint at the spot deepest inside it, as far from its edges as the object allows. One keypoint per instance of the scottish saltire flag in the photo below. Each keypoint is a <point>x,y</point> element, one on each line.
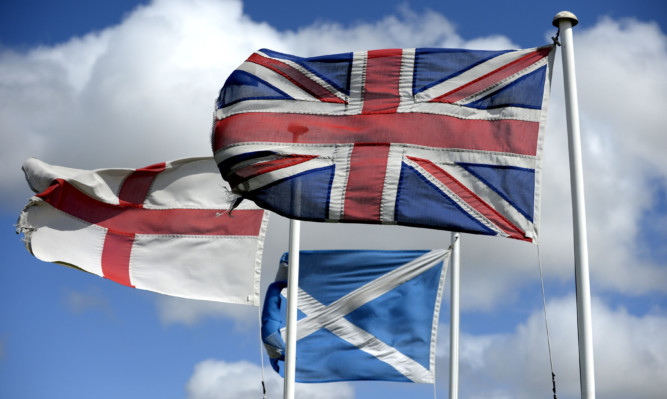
<point>438,138</point>
<point>164,228</point>
<point>363,315</point>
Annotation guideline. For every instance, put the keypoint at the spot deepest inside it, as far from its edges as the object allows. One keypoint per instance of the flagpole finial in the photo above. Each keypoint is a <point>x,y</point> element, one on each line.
<point>565,15</point>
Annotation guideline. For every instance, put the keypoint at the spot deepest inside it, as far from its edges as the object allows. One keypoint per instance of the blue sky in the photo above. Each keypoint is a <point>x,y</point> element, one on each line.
<point>107,84</point>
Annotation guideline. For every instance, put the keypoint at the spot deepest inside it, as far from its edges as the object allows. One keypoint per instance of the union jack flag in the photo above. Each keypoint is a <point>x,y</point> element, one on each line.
<point>439,138</point>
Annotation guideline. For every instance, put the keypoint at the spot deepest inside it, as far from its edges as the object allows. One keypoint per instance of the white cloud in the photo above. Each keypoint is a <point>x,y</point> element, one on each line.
<point>217,379</point>
<point>142,92</point>
<point>622,89</point>
<point>630,355</point>
<point>173,310</point>
<point>407,29</point>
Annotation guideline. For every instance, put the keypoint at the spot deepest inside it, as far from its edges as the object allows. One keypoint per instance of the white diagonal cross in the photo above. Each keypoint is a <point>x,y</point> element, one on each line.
<point>332,317</point>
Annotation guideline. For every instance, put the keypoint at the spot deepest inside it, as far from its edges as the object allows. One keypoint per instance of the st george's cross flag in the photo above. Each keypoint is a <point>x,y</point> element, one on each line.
<point>439,138</point>
<point>164,228</point>
<point>362,315</point>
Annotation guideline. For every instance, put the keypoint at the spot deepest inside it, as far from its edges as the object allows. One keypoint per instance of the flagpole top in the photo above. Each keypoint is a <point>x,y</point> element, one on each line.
<point>565,15</point>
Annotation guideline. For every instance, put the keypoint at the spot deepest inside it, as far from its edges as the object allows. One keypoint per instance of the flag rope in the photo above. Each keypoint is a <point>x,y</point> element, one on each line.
<point>261,352</point>
<point>555,38</point>
<point>546,323</point>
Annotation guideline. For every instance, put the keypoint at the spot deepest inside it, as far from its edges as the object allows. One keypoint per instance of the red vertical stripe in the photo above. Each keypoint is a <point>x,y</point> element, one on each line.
<point>363,194</point>
<point>118,247</point>
<point>381,88</point>
<point>116,257</point>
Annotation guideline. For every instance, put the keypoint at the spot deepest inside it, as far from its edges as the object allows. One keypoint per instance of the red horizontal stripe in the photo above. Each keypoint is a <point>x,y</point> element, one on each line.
<point>132,220</point>
<point>297,77</point>
<point>471,199</point>
<point>440,131</point>
<point>493,77</point>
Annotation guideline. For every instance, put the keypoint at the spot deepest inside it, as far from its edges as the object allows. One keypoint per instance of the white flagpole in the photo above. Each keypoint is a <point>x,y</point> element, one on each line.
<point>292,293</point>
<point>565,20</point>
<point>454,320</point>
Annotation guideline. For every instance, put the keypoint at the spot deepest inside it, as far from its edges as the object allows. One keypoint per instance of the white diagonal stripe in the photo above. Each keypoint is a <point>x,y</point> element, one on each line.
<point>285,149</point>
<point>257,160</point>
<point>367,342</point>
<point>283,173</point>
<point>504,82</point>
<point>368,292</point>
<point>308,74</point>
<point>488,195</point>
<point>276,80</point>
<point>282,106</point>
<point>470,75</point>
<point>464,205</point>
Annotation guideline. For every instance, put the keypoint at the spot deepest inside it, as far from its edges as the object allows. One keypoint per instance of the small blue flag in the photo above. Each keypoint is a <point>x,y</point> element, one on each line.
<point>363,315</point>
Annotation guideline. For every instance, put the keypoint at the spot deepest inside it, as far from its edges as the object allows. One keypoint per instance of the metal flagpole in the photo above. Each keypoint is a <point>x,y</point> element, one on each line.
<point>565,20</point>
<point>454,320</point>
<point>292,292</point>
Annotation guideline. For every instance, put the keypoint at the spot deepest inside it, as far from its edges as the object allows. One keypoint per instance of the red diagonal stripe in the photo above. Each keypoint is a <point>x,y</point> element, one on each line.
<point>510,136</point>
<point>471,199</point>
<point>297,77</point>
<point>363,193</point>
<point>136,185</point>
<point>493,77</point>
<point>383,70</point>
<point>251,171</point>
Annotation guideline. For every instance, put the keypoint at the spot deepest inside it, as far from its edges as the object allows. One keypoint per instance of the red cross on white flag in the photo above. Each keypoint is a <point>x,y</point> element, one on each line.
<point>164,228</point>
